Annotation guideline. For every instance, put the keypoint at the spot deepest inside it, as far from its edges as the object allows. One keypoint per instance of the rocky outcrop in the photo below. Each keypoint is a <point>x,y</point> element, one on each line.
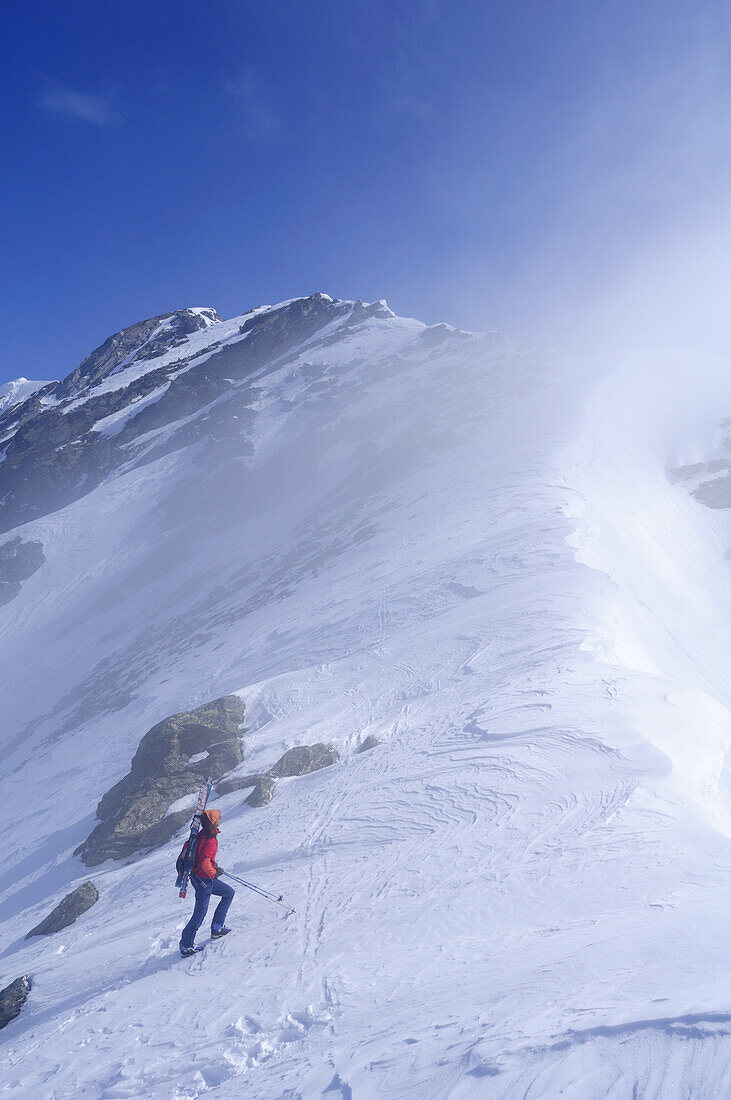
<point>263,788</point>
<point>709,482</point>
<point>305,759</point>
<point>173,759</point>
<point>56,448</point>
<point>18,561</point>
<point>368,743</point>
<point>54,452</point>
<point>67,911</point>
<point>236,783</point>
<point>143,340</point>
<point>263,791</point>
<point>298,761</point>
<point>715,493</point>
<point>12,999</point>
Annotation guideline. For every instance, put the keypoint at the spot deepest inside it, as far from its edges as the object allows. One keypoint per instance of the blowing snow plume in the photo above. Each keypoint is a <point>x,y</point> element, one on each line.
<point>494,566</point>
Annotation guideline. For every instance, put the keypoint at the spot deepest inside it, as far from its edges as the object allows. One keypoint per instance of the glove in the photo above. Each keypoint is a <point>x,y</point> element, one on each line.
<point>219,870</point>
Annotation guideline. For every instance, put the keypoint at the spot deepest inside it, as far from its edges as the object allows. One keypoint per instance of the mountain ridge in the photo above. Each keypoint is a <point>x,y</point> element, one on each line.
<point>140,380</point>
<point>486,562</point>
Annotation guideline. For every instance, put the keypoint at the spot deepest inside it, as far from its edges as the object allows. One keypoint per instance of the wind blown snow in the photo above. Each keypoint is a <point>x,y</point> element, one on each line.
<point>474,552</point>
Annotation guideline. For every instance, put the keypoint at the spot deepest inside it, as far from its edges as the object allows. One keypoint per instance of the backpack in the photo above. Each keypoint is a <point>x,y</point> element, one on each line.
<point>180,861</point>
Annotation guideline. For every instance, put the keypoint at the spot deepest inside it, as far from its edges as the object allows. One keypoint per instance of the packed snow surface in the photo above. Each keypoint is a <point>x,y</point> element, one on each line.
<point>474,552</point>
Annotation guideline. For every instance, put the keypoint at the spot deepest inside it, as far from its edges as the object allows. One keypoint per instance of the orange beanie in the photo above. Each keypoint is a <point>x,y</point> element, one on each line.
<point>214,816</point>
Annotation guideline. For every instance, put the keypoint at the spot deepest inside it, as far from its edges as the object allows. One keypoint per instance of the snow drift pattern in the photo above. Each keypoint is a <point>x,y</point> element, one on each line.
<point>370,530</point>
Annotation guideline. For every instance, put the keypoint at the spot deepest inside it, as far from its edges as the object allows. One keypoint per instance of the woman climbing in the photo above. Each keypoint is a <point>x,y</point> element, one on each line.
<point>205,880</point>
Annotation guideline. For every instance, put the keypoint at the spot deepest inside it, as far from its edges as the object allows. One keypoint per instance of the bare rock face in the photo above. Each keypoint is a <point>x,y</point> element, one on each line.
<point>12,999</point>
<point>305,759</point>
<point>369,743</point>
<point>135,343</point>
<point>134,812</point>
<point>263,791</point>
<point>67,911</point>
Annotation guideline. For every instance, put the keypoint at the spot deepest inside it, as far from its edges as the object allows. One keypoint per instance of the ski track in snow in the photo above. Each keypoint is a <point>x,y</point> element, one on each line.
<point>520,892</point>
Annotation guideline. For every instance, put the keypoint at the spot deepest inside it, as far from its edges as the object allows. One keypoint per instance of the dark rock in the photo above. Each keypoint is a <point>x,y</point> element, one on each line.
<point>305,759</point>
<point>133,344</point>
<point>134,811</point>
<point>12,999</point>
<point>18,561</point>
<point>715,493</point>
<point>369,743</point>
<point>298,761</point>
<point>168,747</point>
<point>237,783</point>
<point>55,455</point>
<point>67,911</point>
<point>262,792</point>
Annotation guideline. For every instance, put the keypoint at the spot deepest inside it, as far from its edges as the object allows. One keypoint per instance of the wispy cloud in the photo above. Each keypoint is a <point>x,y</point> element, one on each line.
<point>94,109</point>
<point>261,121</point>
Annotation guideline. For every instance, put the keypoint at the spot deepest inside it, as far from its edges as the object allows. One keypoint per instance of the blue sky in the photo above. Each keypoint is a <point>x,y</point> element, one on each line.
<point>560,171</point>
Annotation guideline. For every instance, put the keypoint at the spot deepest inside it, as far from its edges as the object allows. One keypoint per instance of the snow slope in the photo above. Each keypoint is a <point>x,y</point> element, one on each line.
<point>475,552</point>
<point>20,389</point>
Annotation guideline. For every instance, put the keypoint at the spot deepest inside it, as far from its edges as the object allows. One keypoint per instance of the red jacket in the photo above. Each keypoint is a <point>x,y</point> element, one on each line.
<point>205,856</point>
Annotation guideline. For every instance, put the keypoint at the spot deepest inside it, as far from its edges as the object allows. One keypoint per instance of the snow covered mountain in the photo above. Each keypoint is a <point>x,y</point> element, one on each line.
<point>505,570</point>
<point>13,393</point>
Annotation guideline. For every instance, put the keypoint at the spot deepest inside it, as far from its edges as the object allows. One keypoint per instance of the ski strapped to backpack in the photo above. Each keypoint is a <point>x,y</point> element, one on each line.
<point>186,859</point>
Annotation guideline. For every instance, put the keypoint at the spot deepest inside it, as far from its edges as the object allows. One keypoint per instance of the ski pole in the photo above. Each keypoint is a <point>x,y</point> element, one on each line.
<point>258,890</point>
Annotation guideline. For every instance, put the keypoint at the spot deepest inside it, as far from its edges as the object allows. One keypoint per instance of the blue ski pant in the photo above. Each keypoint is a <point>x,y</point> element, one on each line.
<point>204,888</point>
